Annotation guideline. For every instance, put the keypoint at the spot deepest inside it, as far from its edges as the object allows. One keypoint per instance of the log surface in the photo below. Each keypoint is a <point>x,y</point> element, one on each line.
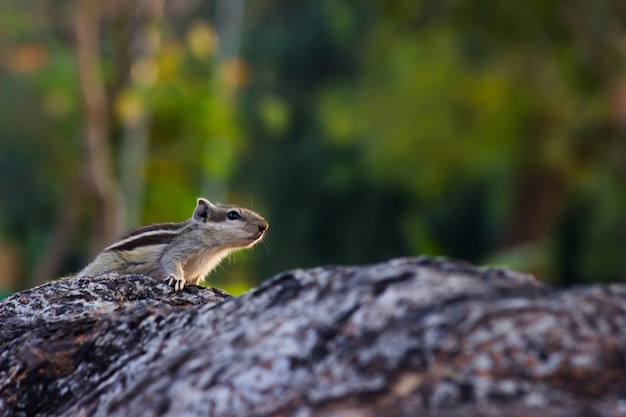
<point>410,335</point>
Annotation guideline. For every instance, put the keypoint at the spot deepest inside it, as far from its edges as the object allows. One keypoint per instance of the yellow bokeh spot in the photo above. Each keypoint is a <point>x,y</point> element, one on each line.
<point>202,40</point>
<point>144,72</point>
<point>170,58</point>
<point>130,108</point>
<point>276,114</point>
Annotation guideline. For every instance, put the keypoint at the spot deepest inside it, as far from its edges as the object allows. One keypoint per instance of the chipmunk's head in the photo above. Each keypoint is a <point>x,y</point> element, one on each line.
<point>233,226</point>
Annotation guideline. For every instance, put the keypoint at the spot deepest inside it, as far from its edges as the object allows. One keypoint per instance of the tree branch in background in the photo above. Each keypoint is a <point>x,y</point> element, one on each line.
<point>98,153</point>
<point>136,117</point>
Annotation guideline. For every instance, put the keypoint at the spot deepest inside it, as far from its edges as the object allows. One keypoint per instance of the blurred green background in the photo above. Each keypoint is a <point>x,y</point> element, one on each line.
<point>362,130</point>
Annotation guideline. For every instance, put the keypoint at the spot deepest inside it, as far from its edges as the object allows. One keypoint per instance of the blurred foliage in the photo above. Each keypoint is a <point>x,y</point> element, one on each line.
<point>362,130</point>
<point>447,128</point>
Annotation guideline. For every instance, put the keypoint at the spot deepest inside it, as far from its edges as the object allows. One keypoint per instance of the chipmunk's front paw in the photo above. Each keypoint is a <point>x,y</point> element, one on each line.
<point>177,282</point>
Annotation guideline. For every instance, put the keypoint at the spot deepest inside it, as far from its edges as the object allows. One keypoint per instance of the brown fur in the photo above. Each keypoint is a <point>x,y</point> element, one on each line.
<point>181,252</point>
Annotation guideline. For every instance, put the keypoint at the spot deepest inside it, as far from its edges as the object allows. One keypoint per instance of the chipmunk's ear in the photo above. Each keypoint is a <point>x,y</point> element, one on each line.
<point>203,210</point>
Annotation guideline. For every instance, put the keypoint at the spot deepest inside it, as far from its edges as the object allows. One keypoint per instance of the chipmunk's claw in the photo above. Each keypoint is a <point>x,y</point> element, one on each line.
<point>177,282</point>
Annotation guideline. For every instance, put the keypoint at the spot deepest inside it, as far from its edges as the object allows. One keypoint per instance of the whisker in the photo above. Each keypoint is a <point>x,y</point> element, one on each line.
<point>267,244</point>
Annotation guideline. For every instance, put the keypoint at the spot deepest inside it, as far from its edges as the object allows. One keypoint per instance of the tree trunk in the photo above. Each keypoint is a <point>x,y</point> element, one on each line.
<point>98,152</point>
<point>134,147</point>
<point>411,336</point>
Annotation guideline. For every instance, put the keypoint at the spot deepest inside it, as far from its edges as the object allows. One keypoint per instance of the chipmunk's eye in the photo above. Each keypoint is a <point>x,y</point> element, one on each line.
<point>233,215</point>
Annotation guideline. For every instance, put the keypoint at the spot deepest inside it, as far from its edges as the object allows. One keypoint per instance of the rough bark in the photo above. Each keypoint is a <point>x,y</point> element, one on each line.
<point>408,337</point>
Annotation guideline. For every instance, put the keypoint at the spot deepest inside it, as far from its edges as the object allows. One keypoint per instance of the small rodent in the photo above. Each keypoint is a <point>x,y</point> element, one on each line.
<point>181,252</point>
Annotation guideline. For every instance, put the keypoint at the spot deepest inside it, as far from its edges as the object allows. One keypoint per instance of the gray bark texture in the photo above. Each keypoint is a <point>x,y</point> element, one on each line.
<point>413,336</point>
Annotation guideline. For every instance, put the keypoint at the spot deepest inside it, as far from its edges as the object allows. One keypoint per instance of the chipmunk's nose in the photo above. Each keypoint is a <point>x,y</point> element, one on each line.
<point>263,226</point>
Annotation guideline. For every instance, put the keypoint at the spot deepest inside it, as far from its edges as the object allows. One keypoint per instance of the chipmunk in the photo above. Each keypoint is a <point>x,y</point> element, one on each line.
<point>182,252</point>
